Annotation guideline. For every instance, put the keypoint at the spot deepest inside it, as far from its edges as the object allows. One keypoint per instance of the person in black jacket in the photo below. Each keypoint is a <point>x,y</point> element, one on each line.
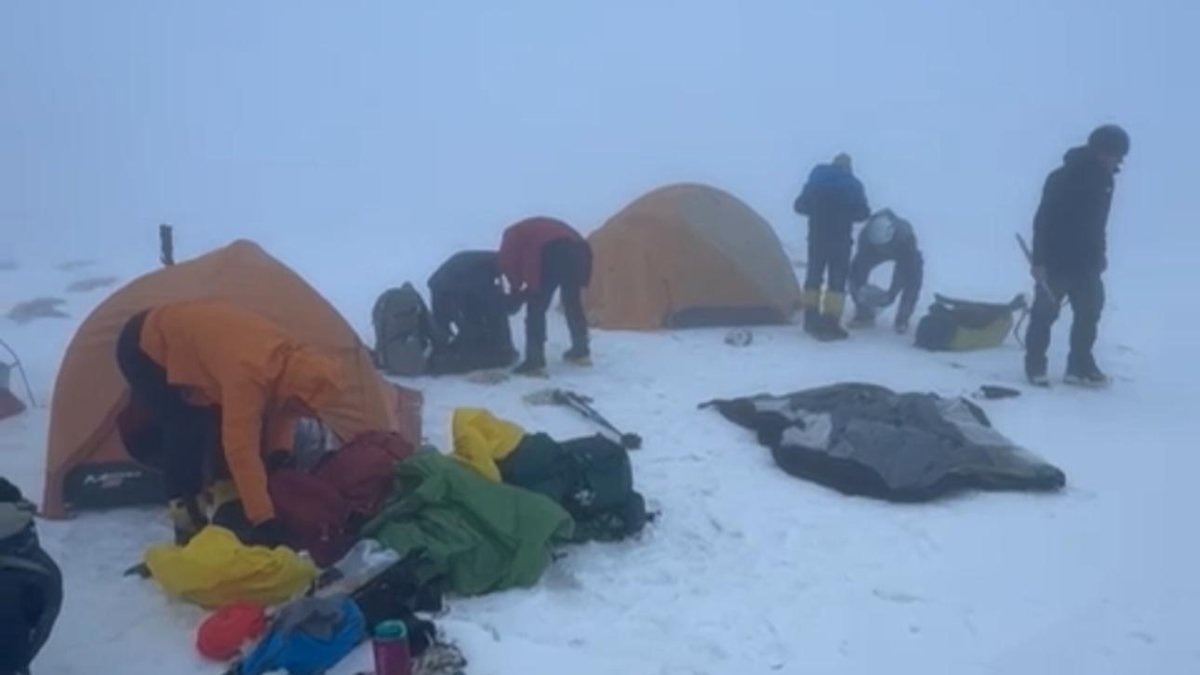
<point>470,315</point>
<point>886,238</point>
<point>833,199</point>
<point>1070,254</point>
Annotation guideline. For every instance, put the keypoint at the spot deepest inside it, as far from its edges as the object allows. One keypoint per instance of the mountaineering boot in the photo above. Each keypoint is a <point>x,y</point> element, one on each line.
<point>1037,378</point>
<point>812,322</point>
<point>1092,377</point>
<point>534,364</point>
<point>810,300</point>
<point>580,356</point>
<point>831,316</point>
<point>861,320</point>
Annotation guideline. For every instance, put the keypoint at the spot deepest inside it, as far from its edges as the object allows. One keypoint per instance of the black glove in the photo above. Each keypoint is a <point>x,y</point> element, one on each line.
<point>232,517</point>
<point>269,533</point>
<point>514,301</point>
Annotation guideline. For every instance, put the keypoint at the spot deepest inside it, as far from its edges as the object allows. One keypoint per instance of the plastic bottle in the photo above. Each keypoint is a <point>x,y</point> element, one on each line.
<point>390,645</point>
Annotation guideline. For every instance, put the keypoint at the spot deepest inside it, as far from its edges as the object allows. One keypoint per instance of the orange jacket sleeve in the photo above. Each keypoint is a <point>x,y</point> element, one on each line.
<point>243,404</point>
<point>280,432</point>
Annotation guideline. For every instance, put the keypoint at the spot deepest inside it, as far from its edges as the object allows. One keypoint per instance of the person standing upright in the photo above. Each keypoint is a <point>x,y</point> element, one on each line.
<point>833,199</point>
<point>1070,254</point>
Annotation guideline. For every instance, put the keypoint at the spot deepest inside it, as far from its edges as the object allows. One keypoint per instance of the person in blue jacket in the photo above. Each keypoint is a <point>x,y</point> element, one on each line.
<point>833,199</point>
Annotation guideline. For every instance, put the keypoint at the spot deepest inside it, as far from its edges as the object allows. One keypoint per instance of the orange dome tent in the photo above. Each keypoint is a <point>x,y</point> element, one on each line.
<point>87,465</point>
<point>686,256</point>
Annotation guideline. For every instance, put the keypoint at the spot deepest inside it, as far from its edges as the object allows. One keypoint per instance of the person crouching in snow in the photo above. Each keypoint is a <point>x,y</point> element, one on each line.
<point>886,238</point>
<point>468,307</point>
<point>833,199</point>
<point>537,257</point>
<point>224,387</point>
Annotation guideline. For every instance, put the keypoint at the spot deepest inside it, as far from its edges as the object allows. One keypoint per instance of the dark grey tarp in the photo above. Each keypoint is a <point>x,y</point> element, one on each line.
<point>862,439</point>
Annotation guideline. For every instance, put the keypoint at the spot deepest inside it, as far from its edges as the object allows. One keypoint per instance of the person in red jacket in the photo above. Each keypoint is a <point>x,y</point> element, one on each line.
<point>537,257</point>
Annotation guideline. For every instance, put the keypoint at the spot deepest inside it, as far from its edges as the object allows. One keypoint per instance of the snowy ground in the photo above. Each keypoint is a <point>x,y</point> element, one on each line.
<point>748,570</point>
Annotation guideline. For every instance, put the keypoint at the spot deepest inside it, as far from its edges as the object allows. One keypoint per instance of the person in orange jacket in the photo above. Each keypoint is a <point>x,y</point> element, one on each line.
<point>225,387</point>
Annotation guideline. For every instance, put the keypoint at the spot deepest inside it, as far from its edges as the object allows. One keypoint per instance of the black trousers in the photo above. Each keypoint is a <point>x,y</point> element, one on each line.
<point>566,265</point>
<point>1086,294</point>
<point>475,329</point>
<point>472,320</point>
<point>829,249</point>
<point>185,446</point>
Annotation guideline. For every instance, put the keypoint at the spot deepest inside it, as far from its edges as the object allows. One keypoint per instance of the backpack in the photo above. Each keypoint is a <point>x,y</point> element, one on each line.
<point>322,510</point>
<point>403,337</point>
<point>964,325</point>
<point>604,504</point>
<point>31,587</point>
<point>590,477</point>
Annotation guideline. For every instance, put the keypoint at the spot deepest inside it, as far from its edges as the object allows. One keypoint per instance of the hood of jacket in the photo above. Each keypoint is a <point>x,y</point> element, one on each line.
<point>1084,159</point>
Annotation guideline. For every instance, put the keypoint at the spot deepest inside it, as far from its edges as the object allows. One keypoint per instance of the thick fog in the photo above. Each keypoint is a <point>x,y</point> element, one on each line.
<point>371,138</point>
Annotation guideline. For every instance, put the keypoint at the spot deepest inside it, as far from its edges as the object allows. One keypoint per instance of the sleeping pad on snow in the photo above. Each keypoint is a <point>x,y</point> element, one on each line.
<point>482,535</point>
<point>863,439</point>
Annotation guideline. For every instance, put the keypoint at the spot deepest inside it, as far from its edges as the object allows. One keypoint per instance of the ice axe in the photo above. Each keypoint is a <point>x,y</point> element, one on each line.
<point>1041,282</point>
<point>582,405</point>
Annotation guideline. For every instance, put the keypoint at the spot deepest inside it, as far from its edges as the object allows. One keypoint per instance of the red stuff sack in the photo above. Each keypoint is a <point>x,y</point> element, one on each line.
<point>361,471</point>
<point>313,513</point>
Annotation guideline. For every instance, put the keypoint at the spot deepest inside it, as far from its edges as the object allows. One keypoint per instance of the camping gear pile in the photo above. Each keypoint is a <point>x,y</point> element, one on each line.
<point>863,439</point>
<point>590,477</point>
<point>486,518</point>
<point>378,532</point>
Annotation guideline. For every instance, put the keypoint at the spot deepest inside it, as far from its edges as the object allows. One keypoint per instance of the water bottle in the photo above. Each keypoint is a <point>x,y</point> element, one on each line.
<point>390,645</point>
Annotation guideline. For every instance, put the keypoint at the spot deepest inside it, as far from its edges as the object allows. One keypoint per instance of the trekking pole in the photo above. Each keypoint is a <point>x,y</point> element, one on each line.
<point>581,406</point>
<point>21,369</point>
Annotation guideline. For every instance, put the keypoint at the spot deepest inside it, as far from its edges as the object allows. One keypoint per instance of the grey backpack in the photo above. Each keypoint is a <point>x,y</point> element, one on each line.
<point>402,331</point>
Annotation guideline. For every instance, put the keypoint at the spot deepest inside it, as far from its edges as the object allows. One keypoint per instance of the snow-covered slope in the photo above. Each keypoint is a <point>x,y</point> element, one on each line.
<point>749,570</point>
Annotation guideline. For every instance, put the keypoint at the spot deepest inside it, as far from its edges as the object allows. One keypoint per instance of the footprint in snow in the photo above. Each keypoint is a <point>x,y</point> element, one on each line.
<point>899,597</point>
<point>1143,637</point>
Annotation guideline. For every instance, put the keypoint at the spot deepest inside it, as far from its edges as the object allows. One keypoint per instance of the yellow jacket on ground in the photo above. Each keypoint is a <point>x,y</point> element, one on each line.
<point>480,440</point>
<point>215,569</point>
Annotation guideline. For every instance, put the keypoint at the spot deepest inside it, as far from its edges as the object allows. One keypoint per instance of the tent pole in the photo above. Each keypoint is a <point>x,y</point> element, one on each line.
<point>166,243</point>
